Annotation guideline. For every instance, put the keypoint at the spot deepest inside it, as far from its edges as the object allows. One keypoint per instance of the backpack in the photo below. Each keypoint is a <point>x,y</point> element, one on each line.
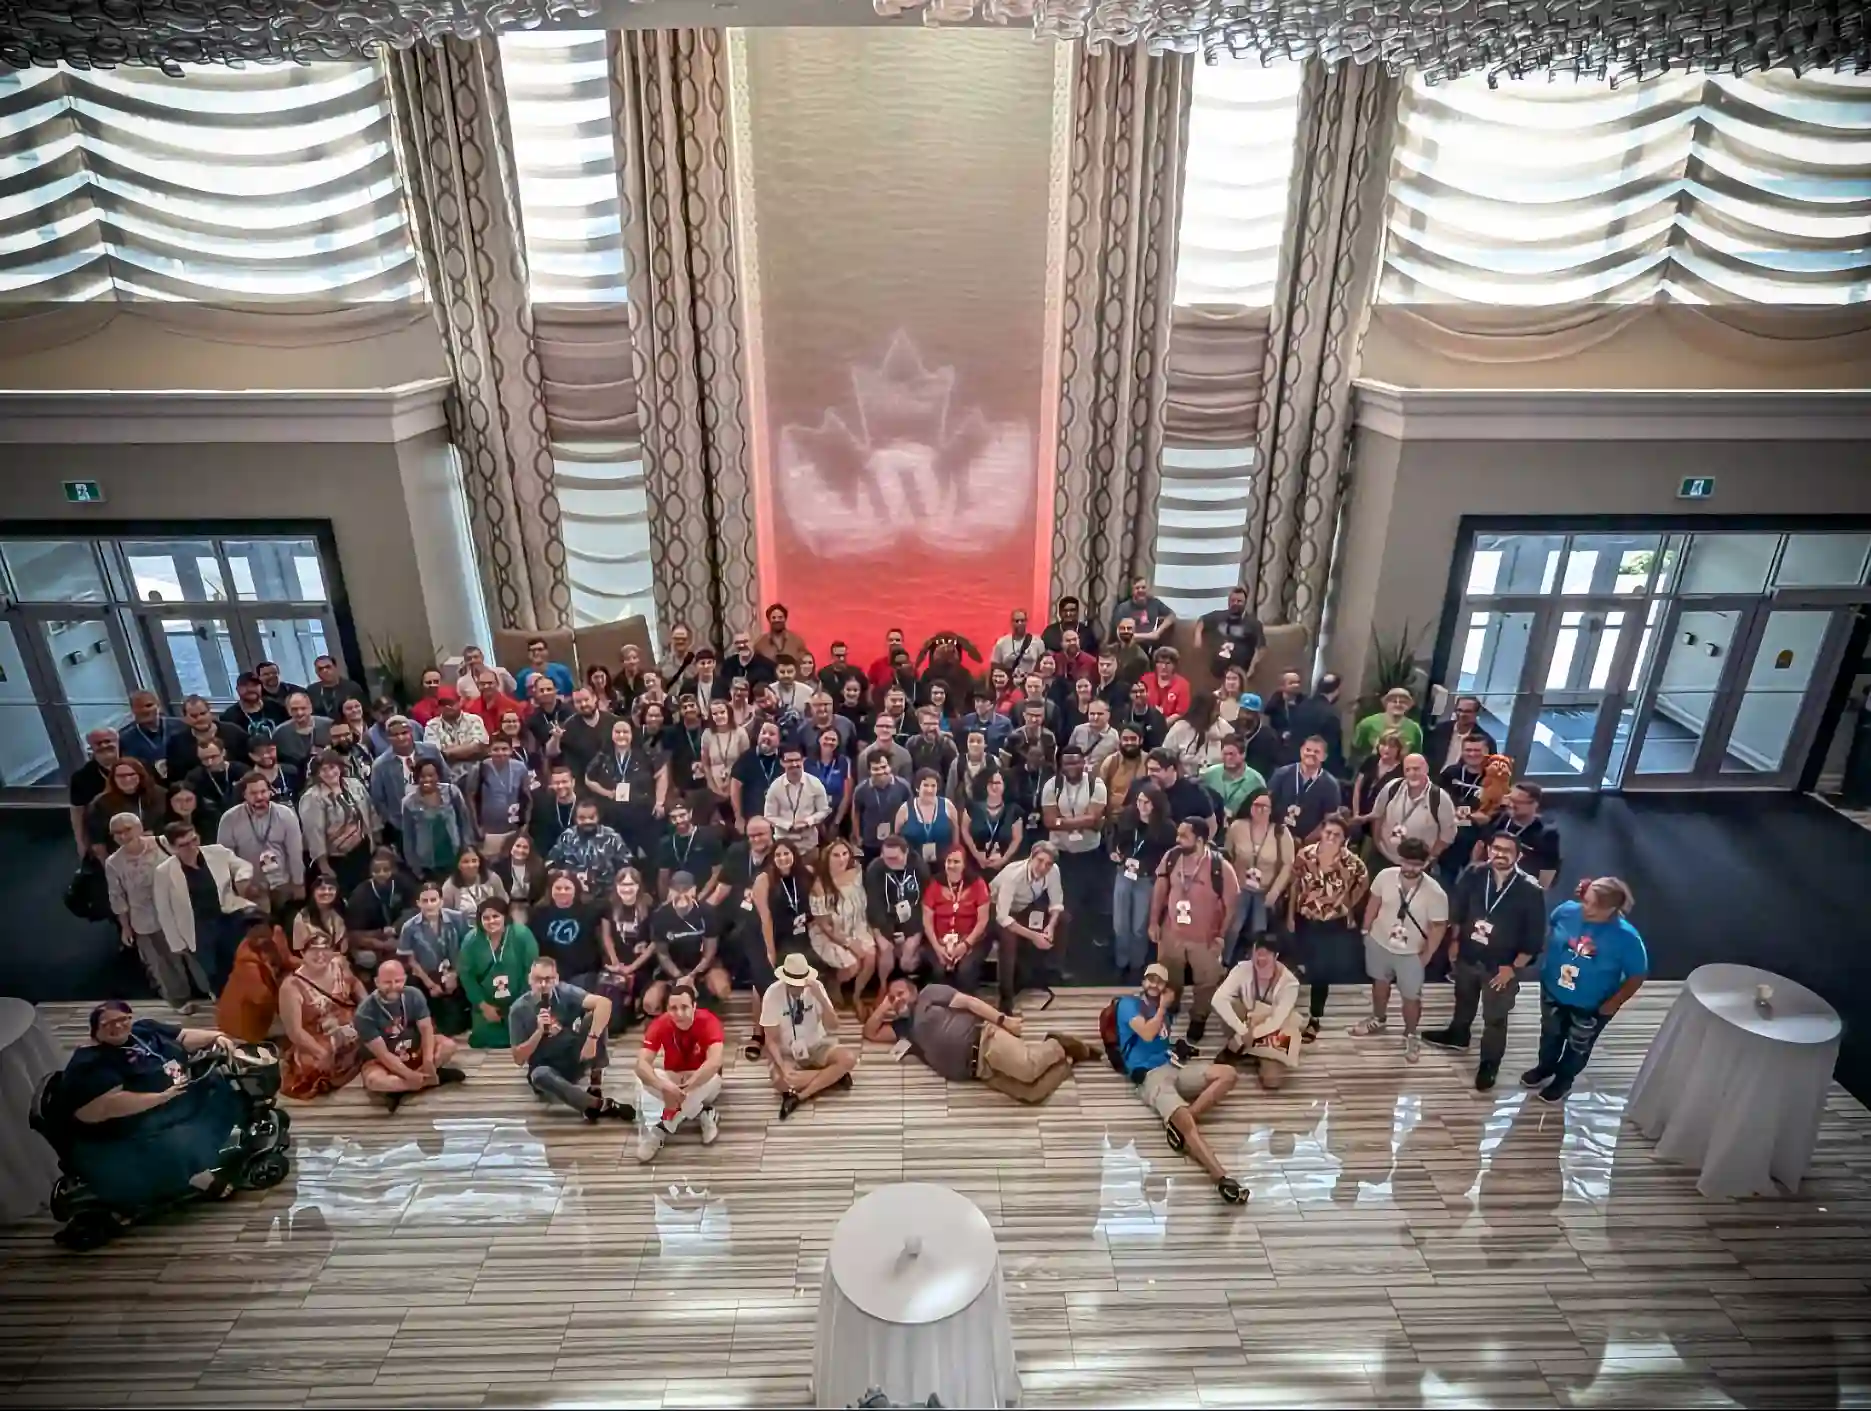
<point>1107,1036</point>
<point>1214,873</point>
<point>87,895</point>
<point>1436,798</point>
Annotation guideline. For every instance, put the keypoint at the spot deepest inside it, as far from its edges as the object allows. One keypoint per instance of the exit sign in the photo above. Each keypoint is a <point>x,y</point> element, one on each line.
<point>84,492</point>
<point>1696,487</point>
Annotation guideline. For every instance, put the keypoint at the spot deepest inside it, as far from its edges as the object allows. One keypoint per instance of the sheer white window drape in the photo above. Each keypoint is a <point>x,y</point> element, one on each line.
<point>1690,189</point>
<point>269,184</point>
<point>559,111</point>
<point>1242,121</point>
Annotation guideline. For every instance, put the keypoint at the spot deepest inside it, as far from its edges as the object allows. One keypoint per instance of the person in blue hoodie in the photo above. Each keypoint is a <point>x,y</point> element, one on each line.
<point>1594,962</point>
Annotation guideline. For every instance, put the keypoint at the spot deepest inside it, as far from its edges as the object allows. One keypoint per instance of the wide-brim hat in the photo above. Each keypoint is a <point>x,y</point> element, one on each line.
<point>797,970</point>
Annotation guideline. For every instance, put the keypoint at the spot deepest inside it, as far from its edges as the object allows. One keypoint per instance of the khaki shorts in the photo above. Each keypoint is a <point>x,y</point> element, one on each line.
<point>1169,1089</point>
<point>817,1056</point>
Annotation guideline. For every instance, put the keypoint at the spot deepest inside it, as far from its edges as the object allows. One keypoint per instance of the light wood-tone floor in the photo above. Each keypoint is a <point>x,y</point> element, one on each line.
<point>1409,1242</point>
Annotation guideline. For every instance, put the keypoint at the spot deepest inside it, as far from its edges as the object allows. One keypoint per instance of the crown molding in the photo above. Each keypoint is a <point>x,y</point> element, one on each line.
<point>1609,414</point>
<point>369,416</point>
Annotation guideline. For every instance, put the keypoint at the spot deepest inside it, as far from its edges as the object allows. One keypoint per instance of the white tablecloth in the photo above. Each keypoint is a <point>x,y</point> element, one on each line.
<point>912,1304</point>
<point>27,1165</point>
<point>1734,1090</point>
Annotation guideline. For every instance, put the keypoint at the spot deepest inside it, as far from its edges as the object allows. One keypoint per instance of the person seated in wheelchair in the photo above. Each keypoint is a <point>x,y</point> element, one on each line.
<point>144,1130</point>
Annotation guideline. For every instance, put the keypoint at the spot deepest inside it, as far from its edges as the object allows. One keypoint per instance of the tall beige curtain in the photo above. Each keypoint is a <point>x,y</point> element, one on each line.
<point>457,159</point>
<point>670,91</point>
<point>1130,131</point>
<point>1303,432</point>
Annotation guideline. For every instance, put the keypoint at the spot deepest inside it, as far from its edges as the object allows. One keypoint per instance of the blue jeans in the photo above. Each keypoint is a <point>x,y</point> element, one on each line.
<point>1130,920</point>
<point>1567,1038</point>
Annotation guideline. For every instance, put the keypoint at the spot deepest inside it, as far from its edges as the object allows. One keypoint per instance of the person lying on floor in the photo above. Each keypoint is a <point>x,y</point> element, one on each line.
<point>404,1054</point>
<point>965,1039</point>
<point>558,1037</point>
<point>145,1134</point>
<point>1178,1091</point>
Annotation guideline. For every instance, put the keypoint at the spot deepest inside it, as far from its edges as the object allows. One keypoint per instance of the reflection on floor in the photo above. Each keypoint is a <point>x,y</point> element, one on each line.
<point>1409,1242</point>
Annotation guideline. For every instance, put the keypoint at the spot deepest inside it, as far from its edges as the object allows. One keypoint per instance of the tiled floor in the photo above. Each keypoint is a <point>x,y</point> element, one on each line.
<point>1409,1242</point>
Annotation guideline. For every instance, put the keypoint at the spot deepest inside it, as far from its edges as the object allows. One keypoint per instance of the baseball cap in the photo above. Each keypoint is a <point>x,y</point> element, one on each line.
<point>1159,971</point>
<point>1250,702</point>
<point>447,693</point>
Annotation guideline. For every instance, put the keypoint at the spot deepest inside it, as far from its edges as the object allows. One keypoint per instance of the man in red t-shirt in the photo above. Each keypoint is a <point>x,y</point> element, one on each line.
<point>883,671</point>
<point>690,1042</point>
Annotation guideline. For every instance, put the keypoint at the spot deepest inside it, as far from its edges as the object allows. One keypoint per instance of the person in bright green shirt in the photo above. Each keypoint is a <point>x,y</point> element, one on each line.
<point>1398,703</point>
<point>1234,781</point>
<point>496,958</point>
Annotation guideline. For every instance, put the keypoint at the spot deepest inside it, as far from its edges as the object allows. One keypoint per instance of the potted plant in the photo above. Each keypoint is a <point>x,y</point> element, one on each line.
<point>389,672</point>
<point>1393,663</point>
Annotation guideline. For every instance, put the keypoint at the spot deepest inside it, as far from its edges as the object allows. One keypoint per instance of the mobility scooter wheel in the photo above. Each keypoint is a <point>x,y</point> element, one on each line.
<point>265,1171</point>
<point>92,1229</point>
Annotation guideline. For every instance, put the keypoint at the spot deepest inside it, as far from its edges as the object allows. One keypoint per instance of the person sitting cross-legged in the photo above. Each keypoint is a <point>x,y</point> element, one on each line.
<point>800,1030</point>
<point>557,1031</point>
<point>1178,1090</point>
<point>1258,1003</point>
<point>965,1039</point>
<point>393,1027</point>
<point>690,1043</point>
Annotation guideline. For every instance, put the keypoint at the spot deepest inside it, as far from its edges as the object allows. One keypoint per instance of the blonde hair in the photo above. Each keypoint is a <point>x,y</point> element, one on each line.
<point>1395,739</point>
<point>1614,890</point>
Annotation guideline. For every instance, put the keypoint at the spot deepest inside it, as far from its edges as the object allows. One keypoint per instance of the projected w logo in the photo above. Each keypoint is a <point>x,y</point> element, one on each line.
<point>905,476</point>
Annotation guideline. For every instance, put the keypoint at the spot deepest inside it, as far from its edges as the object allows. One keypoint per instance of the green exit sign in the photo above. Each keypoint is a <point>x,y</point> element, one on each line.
<point>84,492</point>
<point>1696,487</point>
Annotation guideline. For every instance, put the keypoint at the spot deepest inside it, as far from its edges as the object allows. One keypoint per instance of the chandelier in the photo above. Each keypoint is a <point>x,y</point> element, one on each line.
<point>1614,39</point>
<point>167,34</point>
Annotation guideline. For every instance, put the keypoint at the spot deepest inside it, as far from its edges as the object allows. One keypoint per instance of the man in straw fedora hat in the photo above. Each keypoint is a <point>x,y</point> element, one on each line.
<point>799,1028</point>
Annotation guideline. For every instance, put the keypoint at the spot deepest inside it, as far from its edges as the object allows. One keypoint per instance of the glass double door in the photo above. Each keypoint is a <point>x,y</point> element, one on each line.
<point>1639,692</point>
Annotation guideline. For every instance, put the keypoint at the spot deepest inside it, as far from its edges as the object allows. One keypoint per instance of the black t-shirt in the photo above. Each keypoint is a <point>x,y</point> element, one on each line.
<point>684,744</point>
<point>1231,640</point>
<point>151,1061</point>
<point>87,782</point>
<point>683,935</point>
<point>1462,786</point>
<point>630,934</point>
<point>261,723</point>
<point>371,907</point>
<point>756,772</point>
<point>538,724</point>
<point>1054,637</point>
<point>582,743</point>
<point>1148,722</point>
<point>184,755</point>
<point>204,897</point>
<point>1539,842</point>
<point>549,820</point>
<point>758,671</point>
<point>216,791</point>
<point>569,935</point>
<point>698,854</point>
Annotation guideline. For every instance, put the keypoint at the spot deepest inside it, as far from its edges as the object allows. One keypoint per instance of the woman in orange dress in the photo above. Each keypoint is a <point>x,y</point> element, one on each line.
<point>249,1001</point>
<point>317,1002</point>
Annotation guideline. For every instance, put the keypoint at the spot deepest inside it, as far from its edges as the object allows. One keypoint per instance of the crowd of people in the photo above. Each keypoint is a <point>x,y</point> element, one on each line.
<point>534,861</point>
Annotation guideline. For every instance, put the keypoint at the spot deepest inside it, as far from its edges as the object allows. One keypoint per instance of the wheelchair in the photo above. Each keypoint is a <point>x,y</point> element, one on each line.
<point>258,1156</point>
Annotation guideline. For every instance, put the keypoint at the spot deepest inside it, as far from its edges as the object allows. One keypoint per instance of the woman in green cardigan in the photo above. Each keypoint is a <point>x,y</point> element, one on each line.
<point>496,958</point>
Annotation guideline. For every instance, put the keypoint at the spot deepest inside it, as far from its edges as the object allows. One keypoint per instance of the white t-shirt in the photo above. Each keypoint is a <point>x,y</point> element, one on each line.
<point>1401,927</point>
<point>776,1013</point>
<point>1073,801</point>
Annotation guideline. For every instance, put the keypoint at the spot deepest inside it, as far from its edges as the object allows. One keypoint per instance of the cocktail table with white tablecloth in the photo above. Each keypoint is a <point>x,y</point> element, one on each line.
<point>1734,1087</point>
<point>28,1166</point>
<point>912,1304</point>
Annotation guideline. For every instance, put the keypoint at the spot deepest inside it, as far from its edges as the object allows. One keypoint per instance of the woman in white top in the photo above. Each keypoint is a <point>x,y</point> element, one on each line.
<point>840,926</point>
<point>1262,853</point>
<point>1197,735</point>
<point>1259,1002</point>
<point>723,743</point>
<point>1228,695</point>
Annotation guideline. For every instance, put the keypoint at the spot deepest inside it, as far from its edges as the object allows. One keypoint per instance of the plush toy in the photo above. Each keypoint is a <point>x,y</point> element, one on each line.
<point>943,653</point>
<point>1497,777</point>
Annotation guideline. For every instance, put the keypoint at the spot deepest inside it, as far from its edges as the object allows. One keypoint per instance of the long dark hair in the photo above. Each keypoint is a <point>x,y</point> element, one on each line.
<point>1162,826</point>
<point>1201,714</point>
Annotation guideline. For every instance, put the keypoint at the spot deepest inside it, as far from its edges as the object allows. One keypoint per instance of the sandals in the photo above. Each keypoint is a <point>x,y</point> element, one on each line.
<point>1176,1139</point>
<point>1232,1191</point>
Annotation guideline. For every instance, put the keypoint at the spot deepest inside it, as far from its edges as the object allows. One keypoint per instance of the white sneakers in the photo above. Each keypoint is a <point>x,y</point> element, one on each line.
<point>651,1139</point>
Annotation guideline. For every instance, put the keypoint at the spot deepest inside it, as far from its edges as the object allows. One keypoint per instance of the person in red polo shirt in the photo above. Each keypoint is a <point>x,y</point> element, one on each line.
<point>492,702</point>
<point>884,670</point>
<point>1167,688</point>
<point>955,916</point>
<point>690,1043</point>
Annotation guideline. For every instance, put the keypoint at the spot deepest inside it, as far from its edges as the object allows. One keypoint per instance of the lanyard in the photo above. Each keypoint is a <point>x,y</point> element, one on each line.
<point>905,884</point>
<point>1306,787</point>
<point>929,822</point>
<point>384,900</point>
<point>563,812</point>
<point>1410,806</point>
<point>794,798</point>
<point>993,832</point>
<point>684,935</point>
<point>769,766</point>
<point>1403,907</point>
<point>695,741</point>
<point>790,889</point>
<point>161,735</point>
<point>144,1048</point>
<point>682,853</point>
<point>1259,995</point>
<point>623,765</point>
<point>219,786</point>
<point>1489,897</point>
<point>263,837</point>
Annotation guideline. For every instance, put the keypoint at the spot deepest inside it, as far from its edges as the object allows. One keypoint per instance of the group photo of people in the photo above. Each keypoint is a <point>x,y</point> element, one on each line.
<point>910,843</point>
